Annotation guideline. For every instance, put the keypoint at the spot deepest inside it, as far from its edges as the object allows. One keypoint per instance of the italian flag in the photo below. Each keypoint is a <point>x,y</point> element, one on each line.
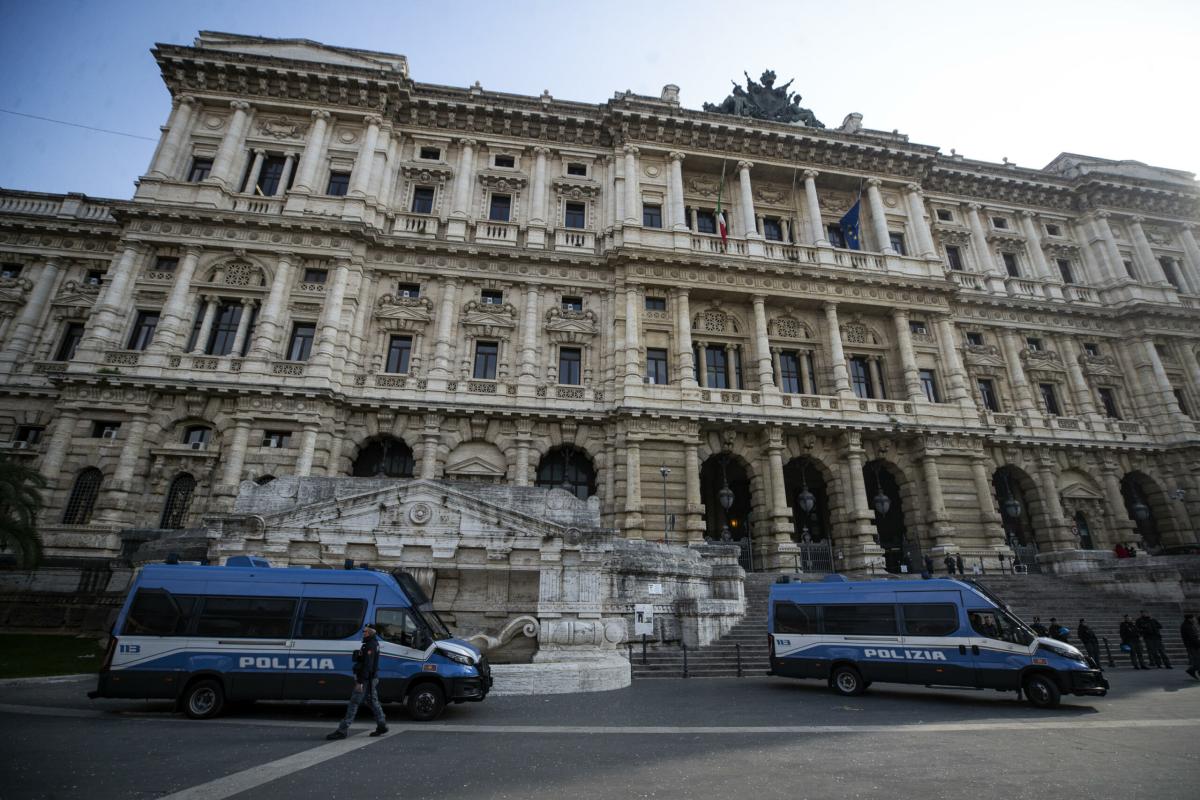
<point>721,228</point>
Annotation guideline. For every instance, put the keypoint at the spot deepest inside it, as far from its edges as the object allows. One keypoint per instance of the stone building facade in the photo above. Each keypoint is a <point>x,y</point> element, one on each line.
<point>332,270</point>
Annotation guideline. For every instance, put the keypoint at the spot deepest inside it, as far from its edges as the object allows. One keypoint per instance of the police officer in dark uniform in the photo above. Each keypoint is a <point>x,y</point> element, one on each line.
<point>1090,641</point>
<point>1151,631</point>
<point>1129,636</point>
<point>366,686</point>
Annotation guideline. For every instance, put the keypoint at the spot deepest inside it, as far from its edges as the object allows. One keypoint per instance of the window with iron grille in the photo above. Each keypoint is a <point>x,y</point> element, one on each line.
<point>82,500</point>
<point>179,499</point>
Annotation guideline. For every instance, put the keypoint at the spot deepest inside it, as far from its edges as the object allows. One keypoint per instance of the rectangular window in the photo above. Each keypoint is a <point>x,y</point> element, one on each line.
<point>999,222</point>
<point>1053,230</point>
<point>945,215</point>
<point>492,297</point>
<point>574,215</point>
<point>339,184</point>
<point>974,339</point>
<point>270,175</point>
<point>409,290</point>
<point>220,341</point>
<point>277,439</point>
<point>246,617</point>
<point>155,612</point>
<point>72,336</point>
<point>575,168</point>
<point>651,215</point>
<point>143,330</point>
<point>929,386</point>
<point>1064,270</point>
<point>1108,399</point>
<point>166,264</point>
<point>500,208</point>
<point>656,366</point>
<point>570,360</point>
<point>789,372</point>
<point>1010,264</point>
<point>1049,399</point>
<point>1091,348</point>
<point>716,366</point>
<point>201,168</point>
<point>331,619</point>
<point>197,434</point>
<point>706,221</point>
<point>835,235</point>
<point>1129,269</point>
<point>505,162</point>
<point>1168,268</point>
<point>94,277</point>
<point>399,350</point>
<point>796,619</point>
<point>987,395</point>
<point>315,275</point>
<point>1182,401</point>
<point>1034,344</point>
<point>954,257</point>
<point>102,429</point>
<point>300,347</point>
<point>860,378</point>
<point>486,354</point>
<point>30,434</point>
<point>422,202</point>
<point>656,304</point>
<point>10,272</point>
<point>918,327</point>
<point>772,229</point>
<point>930,619</point>
<point>572,304</point>
<point>860,620</point>
<point>430,153</point>
<point>896,240</point>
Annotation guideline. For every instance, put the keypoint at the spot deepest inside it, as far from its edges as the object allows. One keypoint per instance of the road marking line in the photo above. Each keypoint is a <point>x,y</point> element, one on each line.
<point>273,770</point>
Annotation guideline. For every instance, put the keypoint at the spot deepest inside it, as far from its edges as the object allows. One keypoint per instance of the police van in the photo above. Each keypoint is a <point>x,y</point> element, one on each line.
<point>937,633</point>
<point>205,635</point>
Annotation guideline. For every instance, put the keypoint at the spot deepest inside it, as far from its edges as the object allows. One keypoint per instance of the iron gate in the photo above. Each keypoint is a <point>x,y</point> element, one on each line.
<point>1026,556</point>
<point>816,557</point>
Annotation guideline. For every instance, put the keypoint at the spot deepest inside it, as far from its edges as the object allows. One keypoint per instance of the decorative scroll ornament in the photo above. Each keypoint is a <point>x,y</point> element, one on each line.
<point>765,101</point>
<point>526,625</point>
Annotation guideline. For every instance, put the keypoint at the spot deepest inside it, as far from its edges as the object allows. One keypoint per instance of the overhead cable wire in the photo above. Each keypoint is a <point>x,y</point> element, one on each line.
<point>77,125</point>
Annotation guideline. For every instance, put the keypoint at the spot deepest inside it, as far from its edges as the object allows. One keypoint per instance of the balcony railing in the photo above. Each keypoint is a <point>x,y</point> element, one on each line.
<point>496,233</point>
<point>258,205</point>
<point>567,239</point>
<point>421,225</point>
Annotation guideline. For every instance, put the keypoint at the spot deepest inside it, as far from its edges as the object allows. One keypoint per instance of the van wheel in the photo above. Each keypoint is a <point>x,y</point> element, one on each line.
<point>847,681</point>
<point>203,699</point>
<point>1041,691</point>
<point>426,702</point>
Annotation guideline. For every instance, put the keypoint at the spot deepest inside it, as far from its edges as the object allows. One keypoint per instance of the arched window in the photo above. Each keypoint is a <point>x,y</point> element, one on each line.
<point>385,457</point>
<point>179,498</point>
<point>567,468</point>
<point>83,497</point>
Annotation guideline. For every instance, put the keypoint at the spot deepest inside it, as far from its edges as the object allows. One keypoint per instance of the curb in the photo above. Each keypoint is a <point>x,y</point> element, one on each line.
<point>46,679</point>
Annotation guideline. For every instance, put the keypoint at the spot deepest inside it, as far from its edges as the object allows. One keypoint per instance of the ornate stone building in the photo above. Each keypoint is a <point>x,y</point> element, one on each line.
<point>330,269</point>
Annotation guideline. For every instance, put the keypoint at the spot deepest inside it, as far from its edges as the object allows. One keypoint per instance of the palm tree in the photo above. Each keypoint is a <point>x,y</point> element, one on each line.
<point>20,502</point>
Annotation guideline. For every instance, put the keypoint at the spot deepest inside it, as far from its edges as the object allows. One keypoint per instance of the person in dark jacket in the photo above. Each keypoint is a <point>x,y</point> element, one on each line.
<point>958,563</point>
<point>1129,636</point>
<point>949,562</point>
<point>1038,627</point>
<point>1090,641</point>
<point>1059,632</point>
<point>1189,631</point>
<point>1151,631</point>
<point>928,562</point>
<point>366,686</point>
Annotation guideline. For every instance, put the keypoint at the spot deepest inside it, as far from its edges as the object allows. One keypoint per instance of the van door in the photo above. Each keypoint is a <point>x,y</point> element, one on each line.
<point>247,640</point>
<point>328,632</point>
<point>936,645</point>
<point>1001,647</point>
<point>403,642</point>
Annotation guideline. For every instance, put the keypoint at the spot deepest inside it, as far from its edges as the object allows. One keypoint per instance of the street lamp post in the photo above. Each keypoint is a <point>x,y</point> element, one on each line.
<point>664,471</point>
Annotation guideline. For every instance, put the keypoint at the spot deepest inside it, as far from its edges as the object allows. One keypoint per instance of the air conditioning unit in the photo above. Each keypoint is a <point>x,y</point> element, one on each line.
<point>197,445</point>
<point>406,293</point>
<point>109,433</point>
<point>93,281</point>
<point>270,443</point>
<point>649,379</point>
<point>21,445</point>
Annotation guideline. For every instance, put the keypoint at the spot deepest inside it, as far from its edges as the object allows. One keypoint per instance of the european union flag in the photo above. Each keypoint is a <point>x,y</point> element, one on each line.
<point>850,226</point>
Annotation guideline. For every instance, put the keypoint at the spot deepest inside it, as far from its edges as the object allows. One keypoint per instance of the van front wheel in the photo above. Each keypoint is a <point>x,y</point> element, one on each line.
<point>847,681</point>
<point>1041,691</point>
<point>203,699</point>
<point>426,702</point>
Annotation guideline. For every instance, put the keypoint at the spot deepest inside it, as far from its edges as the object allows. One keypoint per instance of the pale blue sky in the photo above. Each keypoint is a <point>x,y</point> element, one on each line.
<point>1017,79</point>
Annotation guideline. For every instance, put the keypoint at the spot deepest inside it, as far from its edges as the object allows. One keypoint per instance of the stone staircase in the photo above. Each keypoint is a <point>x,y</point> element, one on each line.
<point>1044,595</point>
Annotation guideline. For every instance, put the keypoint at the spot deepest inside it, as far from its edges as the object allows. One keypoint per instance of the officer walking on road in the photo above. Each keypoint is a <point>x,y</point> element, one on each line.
<point>1129,638</point>
<point>366,686</point>
<point>1151,631</point>
<point>1189,631</point>
<point>1088,637</point>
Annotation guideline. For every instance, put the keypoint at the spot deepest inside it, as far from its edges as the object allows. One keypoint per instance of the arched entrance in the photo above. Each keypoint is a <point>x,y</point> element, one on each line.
<point>725,476</point>
<point>804,482</point>
<point>179,500</point>
<point>1014,491</point>
<point>1146,505</point>
<point>1083,531</point>
<point>567,467</point>
<point>883,495</point>
<point>384,457</point>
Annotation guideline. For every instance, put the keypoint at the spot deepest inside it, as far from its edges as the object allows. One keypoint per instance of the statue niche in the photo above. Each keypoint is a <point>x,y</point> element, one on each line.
<point>765,101</point>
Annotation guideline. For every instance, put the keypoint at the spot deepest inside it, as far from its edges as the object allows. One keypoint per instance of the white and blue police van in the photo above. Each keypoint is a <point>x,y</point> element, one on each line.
<point>935,633</point>
<point>207,635</point>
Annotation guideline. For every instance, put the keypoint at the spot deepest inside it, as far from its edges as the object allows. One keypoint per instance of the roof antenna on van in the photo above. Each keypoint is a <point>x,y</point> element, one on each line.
<point>348,564</point>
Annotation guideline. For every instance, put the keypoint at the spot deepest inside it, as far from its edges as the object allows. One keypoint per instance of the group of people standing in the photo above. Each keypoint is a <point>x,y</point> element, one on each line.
<point>1147,631</point>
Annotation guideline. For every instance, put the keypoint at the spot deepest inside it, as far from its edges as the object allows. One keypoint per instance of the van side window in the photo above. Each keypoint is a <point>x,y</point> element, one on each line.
<point>246,617</point>
<point>791,618</point>
<point>395,625</point>
<point>157,613</point>
<point>930,619</point>
<point>864,620</point>
<point>331,619</point>
<point>996,624</point>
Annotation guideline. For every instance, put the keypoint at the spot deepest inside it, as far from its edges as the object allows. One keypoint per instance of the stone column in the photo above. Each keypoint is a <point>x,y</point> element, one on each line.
<point>360,177</point>
<point>862,545</point>
<point>268,329</point>
<point>308,448</point>
<point>781,511</point>
<point>56,450</point>
<point>212,303</point>
<point>678,215</point>
<point>430,437</point>
<point>1122,528</point>
<point>173,319</point>
<point>113,305</point>
<point>243,326</point>
<point>289,163</point>
<point>683,337</point>
<point>178,127</point>
<point>610,192</point>
<point>234,458</point>
<point>25,328</point>
<point>331,315</point>
<point>379,163</point>
<point>113,507</point>
<point>943,533</point>
<point>445,330</point>
<point>356,357</point>
<point>1191,252</point>
<point>877,378</point>
<point>522,465</point>
<point>632,337</point>
<point>387,189</point>
<point>956,378</point>
<point>1166,390</point>
<point>988,514</point>
<point>979,242</point>
<point>803,359</point>
<point>813,207</point>
<point>837,356</point>
<point>1059,529</point>
<point>255,171</point>
<point>537,212</point>
<point>633,489</point>
<point>1011,346</point>
<point>231,145</point>
<point>702,366</point>
<point>691,465</point>
<point>908,359</point>
<point>1080,391</point>
<point>762,344</point>
<point>633,204</point>
<point>747,200</point>
<point>1033,239</point>
<point>878,217</point>
<point>916,210</point>
<point>463,180</point>
<point>1108,246</point>
<point>1141,245</point>
<point>529,334</point>
<point>313,155</point>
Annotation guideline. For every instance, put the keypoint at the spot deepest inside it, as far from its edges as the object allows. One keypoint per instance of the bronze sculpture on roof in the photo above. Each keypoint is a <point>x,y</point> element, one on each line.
<point>766,101</point>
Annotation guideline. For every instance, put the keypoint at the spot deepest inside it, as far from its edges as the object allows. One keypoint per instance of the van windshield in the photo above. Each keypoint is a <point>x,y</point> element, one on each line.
<point>996,623</point>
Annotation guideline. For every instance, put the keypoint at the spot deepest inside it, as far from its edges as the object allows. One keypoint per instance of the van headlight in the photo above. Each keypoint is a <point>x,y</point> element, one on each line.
<point>1065,651</point>
<point>459,658</point>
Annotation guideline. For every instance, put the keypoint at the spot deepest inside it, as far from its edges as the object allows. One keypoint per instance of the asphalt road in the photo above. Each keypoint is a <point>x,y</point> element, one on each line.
<point>755,737</point>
